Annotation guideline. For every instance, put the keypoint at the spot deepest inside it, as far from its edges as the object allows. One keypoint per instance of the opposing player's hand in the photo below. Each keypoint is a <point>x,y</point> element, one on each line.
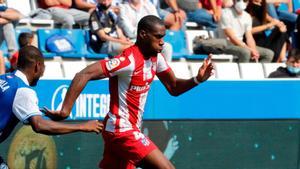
<point>92,126</point>
<point>53,114</point>
<point>206,70</point>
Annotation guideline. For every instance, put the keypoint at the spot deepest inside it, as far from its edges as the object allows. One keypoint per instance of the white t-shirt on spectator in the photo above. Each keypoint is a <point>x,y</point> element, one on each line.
<point>129,17</point>
<point>240,24</point>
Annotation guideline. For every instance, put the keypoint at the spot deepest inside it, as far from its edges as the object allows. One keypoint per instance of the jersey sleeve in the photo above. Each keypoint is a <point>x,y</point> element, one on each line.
<point>25,104</point>
<point>115,66</point>
<point>162,65</point>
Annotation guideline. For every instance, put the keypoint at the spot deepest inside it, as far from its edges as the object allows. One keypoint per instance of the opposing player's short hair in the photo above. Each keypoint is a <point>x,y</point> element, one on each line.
<point>295,53</point>
<point>147,23</point>
<point>29,55</point>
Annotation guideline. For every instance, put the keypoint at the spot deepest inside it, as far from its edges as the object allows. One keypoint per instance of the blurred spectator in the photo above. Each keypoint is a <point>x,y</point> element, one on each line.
<point>90,5</point>
<point>288,17</point>
<point>235,24</point>
<point>62,12</point>
<point>173,16</point>
<point>8,18</point>
<point>207,12</point>
<point>227,3</point>
<point>106,36</point>
<point>262,22</point>
<point>25,39</point>
<point>292,69</point>
<point>131,13</point>
<point>85,5</point>
<point>2,64</point>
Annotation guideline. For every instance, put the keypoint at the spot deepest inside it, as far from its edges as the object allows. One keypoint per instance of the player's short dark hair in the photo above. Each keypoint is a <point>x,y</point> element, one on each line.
<point>147,23</point>
<point>29,55</point>
<point>295,53</point>
<point>24,39</point>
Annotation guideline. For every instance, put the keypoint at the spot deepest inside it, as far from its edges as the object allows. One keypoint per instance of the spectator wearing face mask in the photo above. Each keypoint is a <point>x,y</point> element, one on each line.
<point>235,26</point>
<point>292,69</point>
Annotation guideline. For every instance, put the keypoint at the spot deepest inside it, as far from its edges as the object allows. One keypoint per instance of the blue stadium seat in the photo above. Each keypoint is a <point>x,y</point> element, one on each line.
<point>178,41</point>
<point>283,7</point>
<point>296,5</point>
<point>77,38</point>
<point>89,53</point>
<point>43,35</point>
<point>196,56</point>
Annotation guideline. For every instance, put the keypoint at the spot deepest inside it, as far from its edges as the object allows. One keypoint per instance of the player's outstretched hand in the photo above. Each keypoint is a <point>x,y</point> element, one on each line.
<point>53,114</point>
<point>92,126</point>
<point>206,70</point>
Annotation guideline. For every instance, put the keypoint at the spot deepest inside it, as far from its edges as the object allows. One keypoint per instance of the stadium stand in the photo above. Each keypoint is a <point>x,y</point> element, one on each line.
<point>194,67</point>
<point>296,5</point>
<point>178,42</point>
<point>226,71</point>
<point>251,71</point>
<point>181,70</point>
<point>43,35</point>
<point>185,62</point>
<point>271,67</point>
<point>25,7</point>
<point>53,70</point>
<point>90,54</point>
<point>70,68</point>
<point>78,40</point>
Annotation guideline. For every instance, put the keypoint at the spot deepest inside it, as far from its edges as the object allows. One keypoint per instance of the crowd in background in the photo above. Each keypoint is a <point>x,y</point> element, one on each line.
<point>251,30</point>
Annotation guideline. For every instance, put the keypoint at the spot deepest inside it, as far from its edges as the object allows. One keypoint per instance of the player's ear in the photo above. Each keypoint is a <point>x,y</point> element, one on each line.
<point>143,34</point>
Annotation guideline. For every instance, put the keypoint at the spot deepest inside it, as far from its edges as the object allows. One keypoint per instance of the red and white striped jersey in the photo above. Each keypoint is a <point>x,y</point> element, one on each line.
<point>130,76</point>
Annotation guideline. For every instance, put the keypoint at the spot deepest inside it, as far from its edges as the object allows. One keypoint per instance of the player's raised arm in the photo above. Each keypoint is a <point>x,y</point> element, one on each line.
<point>176,86</point>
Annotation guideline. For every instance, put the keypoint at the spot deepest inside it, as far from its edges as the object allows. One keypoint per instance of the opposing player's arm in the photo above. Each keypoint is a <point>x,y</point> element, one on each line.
<point>91,72</point>
<point>176,86</point>
<point>49,127</point>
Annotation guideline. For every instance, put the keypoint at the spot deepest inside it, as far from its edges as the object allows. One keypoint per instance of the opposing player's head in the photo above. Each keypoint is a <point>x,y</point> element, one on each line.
<point>31,63</point>
<point>150,33</point>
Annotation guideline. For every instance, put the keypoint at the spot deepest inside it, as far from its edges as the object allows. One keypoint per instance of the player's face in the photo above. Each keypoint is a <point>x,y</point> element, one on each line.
<point>155,38</point>
<point>40,68</point>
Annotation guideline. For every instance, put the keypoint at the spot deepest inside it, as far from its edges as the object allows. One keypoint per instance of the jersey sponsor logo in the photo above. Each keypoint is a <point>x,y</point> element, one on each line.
<point>4,85</point>
<point>112,63</point>
<point>139,88</point>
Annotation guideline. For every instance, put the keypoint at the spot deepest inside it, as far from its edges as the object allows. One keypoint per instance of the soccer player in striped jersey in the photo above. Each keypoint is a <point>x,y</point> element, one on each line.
<point>130,75</point>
